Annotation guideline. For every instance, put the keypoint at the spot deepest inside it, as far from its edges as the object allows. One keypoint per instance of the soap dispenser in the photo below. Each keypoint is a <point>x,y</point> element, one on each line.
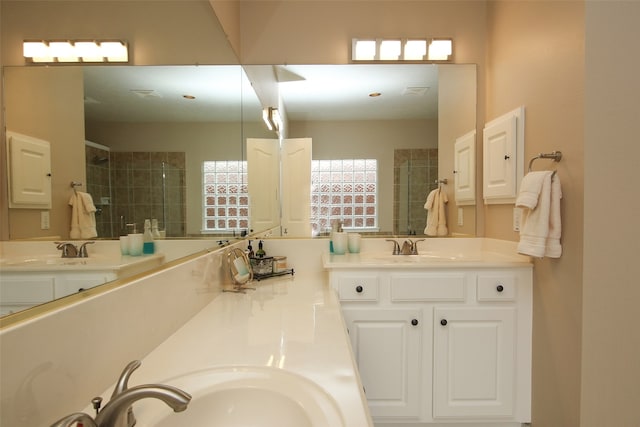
<point>260,253</point>
<point>155,232</point>
<point>148,246</point>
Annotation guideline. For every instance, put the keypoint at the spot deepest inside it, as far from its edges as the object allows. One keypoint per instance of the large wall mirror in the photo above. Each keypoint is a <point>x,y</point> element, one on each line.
<point>150,130</point>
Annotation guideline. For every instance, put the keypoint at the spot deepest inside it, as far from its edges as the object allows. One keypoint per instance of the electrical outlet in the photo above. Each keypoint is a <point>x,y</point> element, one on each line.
<point>460,217</point>
<point>44,220</point>
<point>517,219</point>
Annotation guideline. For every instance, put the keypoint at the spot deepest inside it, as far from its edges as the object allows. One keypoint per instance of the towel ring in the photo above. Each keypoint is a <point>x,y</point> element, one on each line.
<point>75,184</point>
<point>555,155</point>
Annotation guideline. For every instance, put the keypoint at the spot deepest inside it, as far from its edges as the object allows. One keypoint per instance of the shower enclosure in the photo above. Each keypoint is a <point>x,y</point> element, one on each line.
<point>129,187</point>
<point>414,176</point>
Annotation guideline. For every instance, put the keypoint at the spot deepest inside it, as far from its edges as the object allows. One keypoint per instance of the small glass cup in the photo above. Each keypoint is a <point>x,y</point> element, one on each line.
<point>354,242</point>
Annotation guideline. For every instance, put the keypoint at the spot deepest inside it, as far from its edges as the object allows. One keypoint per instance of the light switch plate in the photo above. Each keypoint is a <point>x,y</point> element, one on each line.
<point>44,220</point>
<point>517,219</point>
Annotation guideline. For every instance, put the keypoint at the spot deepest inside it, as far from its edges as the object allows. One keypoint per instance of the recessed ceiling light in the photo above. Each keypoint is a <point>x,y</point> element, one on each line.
<point>146,93</point>
<point>375,94</point>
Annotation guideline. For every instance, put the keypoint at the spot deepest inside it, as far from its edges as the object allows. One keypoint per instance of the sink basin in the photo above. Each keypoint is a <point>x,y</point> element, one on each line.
<point>245,397</point>
<point>420,258</point>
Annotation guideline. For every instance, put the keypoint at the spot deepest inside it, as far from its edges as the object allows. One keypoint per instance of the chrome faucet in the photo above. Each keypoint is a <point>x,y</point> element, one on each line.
<point>69,250</point>
<point>114,414</point>
<point>409,247</point>
<point>118,412</point>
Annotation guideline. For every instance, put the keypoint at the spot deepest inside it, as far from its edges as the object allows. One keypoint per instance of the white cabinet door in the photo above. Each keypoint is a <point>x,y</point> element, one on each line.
<point>464,166</point>
<point>474,362</point>
<point>503,157</point>
<point>499,159</point>
<point>388,347</point>
<point>29,172</point>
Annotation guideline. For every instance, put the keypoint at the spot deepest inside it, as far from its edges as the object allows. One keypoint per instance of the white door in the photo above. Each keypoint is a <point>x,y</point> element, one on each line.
<point>474,362</point>
<point>296,187</point>
<point>464,166</point>
<point>387,347</point>
<point>263,180</point>
<point>29,171</point>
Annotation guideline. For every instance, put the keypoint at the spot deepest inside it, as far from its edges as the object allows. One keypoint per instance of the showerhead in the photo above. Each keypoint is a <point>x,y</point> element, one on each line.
<point>97,160</point>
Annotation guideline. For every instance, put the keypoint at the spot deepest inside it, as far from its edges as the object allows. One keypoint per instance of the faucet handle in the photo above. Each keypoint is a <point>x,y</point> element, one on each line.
<point>414,247</point>
<point>69,250</point>
<point>82,252</point>
<point>396,246</point>
<point>123,380</point>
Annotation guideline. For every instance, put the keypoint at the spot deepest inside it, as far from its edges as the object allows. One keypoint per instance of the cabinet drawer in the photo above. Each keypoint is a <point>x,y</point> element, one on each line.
<point>35,290</point>
<point>420,287</point>
<point>358,288</point>
<point>496,288</point>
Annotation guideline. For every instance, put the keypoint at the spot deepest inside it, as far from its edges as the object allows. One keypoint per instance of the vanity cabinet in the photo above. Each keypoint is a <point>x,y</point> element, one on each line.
<point>19,291</point>
<point>441,346</point>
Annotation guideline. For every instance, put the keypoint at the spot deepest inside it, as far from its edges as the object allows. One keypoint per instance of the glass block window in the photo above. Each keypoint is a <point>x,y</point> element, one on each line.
<point>345,190</point>
<point>225,195</point>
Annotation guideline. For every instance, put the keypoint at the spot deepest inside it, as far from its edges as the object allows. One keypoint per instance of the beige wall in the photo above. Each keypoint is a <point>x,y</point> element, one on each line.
<point>159,32</point>
<point>611,288</point>
<point>47,104</point>
<point>536,59</point>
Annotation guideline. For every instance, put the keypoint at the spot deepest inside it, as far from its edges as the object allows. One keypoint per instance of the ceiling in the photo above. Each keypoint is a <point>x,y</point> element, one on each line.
<point>308,92</point>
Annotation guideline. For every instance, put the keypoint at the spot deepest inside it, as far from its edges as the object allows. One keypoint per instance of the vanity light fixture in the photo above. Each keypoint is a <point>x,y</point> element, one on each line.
<point>66,51</point>
<point>429,50</point>
<point>272,118</point>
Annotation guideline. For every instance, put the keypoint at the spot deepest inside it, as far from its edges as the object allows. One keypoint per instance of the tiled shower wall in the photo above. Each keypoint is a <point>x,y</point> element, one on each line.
<point>97,168</point>
<point>137,190</point>
<point>127,188</point>
<point>415,173</point>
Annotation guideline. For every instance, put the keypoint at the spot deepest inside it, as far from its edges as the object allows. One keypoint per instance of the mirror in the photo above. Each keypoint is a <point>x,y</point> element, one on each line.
<point>143,116</point>
<point>412,141</point>
<point>404,117</point>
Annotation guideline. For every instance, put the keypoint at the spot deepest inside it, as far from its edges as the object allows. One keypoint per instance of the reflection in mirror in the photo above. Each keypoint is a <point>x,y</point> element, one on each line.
<point>159,126</point>
<point>405,118</point>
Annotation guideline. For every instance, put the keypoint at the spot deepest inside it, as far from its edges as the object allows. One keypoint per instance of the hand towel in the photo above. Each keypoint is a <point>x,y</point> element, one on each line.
<point>431,228</point>
<point>442,216</point>
<point>83,218</point>
<point>554,248</point>
<point>530,188</point>
<point>540,232</point>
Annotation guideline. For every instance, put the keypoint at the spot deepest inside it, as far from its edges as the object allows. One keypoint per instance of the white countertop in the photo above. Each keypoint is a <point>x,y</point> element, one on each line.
<point>292,323</point>
<point>426,260</point>
<point>55,263</point>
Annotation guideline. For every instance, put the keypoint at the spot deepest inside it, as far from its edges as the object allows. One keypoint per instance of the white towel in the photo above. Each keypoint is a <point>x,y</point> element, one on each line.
<point>431,228</point>
<point>541,229</point>
<point>530,189</point>
<point>436,216</point>
<point>83,217</point>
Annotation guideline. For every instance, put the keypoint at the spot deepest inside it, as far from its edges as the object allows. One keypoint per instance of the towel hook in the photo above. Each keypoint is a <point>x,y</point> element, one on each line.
<point>555,155</point>
<point>75,184</point>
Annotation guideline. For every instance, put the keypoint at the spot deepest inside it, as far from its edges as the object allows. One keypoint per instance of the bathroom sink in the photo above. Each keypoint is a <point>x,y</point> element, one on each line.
<point>246,397</point>
<point>420,258</point>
